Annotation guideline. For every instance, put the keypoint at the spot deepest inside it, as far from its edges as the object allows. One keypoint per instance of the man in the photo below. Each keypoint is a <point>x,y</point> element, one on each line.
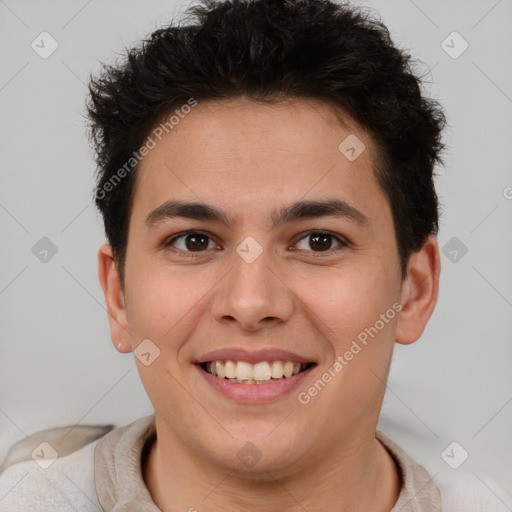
<point>265,176</point>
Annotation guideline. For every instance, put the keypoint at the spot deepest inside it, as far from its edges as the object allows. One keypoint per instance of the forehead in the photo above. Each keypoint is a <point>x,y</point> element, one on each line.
<point>248,154</point>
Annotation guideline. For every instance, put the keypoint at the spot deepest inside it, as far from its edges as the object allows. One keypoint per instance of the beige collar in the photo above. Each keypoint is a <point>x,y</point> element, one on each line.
<point>120,483</point>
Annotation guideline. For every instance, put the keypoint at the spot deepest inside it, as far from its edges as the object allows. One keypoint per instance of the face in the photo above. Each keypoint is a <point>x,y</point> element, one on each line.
<point>286,262</point>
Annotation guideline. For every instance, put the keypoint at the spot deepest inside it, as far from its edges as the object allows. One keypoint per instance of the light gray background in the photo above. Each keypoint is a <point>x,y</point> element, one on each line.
<point>57,364</point>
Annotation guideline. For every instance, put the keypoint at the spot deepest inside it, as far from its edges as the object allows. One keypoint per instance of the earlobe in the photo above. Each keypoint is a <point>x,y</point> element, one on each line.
<point>419,292</point>
<point>110,281</point>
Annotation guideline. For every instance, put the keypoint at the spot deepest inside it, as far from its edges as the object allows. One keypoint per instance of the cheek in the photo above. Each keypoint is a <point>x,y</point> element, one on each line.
<point>346,306</point>
<point>163,308</point>
<point>343,302</point>
<point>164,302</point>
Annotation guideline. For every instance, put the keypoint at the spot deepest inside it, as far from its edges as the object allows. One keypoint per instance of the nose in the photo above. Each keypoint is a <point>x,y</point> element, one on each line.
<point>253,295</point>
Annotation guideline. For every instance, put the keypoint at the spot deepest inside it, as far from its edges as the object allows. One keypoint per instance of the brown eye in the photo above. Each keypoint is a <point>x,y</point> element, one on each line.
<point>320,241</point>
<point>196,242</point>
<point>192,241</point>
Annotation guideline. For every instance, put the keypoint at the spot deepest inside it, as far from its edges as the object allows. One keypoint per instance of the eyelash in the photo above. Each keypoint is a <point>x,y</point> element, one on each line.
<point>318,254</point>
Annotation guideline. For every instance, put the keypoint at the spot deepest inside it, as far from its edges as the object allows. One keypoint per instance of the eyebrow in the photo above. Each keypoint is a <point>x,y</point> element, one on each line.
<point>287,214</point>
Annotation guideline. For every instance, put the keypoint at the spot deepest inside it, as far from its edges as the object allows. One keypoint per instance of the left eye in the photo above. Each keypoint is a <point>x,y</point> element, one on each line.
<point>320,241</point>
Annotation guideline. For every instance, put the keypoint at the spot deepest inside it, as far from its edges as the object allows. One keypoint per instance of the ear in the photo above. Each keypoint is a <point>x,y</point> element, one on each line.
<point>419,292</point>
<point>114,298</point>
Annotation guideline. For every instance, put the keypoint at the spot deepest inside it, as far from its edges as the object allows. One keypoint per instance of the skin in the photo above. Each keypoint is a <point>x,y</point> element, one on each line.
<point>249,159</point>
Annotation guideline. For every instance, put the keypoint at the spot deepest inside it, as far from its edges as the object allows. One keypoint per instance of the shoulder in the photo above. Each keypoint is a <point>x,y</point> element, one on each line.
<point>61,474</point>
<point>64,484</point>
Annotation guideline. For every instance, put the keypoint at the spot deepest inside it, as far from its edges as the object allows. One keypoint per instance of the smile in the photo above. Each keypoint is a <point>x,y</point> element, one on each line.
<point>263,372</point>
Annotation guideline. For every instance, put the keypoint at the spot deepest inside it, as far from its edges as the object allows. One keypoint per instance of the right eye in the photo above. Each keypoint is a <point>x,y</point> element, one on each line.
<point>191,241</point>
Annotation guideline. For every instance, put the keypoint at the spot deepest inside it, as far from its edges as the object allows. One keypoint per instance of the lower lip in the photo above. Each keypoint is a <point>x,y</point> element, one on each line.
<point>255,393</point>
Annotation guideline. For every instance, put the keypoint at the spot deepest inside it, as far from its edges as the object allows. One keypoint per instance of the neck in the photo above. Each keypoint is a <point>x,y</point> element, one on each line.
<point>361,476</point>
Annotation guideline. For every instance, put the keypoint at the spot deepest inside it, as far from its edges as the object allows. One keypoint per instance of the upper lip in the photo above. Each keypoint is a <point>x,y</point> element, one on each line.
<point>252,356</point>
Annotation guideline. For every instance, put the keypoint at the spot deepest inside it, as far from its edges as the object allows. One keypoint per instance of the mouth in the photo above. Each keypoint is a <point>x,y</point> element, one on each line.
<point>262,372</point>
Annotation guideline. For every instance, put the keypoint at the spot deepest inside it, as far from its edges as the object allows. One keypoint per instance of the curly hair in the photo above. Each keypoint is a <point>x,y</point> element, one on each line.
<point>272,50</point>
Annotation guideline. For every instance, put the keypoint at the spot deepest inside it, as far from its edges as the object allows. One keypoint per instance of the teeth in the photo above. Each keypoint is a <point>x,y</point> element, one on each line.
<point>262,371</point>
<point>277,369</point>
<point>230,368</point>
<point>288,369</point>
<point>221,372</point>
<point>243,370</point>
<point>259,373</point>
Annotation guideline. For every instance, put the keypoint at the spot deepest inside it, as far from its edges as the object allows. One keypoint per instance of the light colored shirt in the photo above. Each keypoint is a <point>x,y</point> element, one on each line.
<point>106,475</point>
